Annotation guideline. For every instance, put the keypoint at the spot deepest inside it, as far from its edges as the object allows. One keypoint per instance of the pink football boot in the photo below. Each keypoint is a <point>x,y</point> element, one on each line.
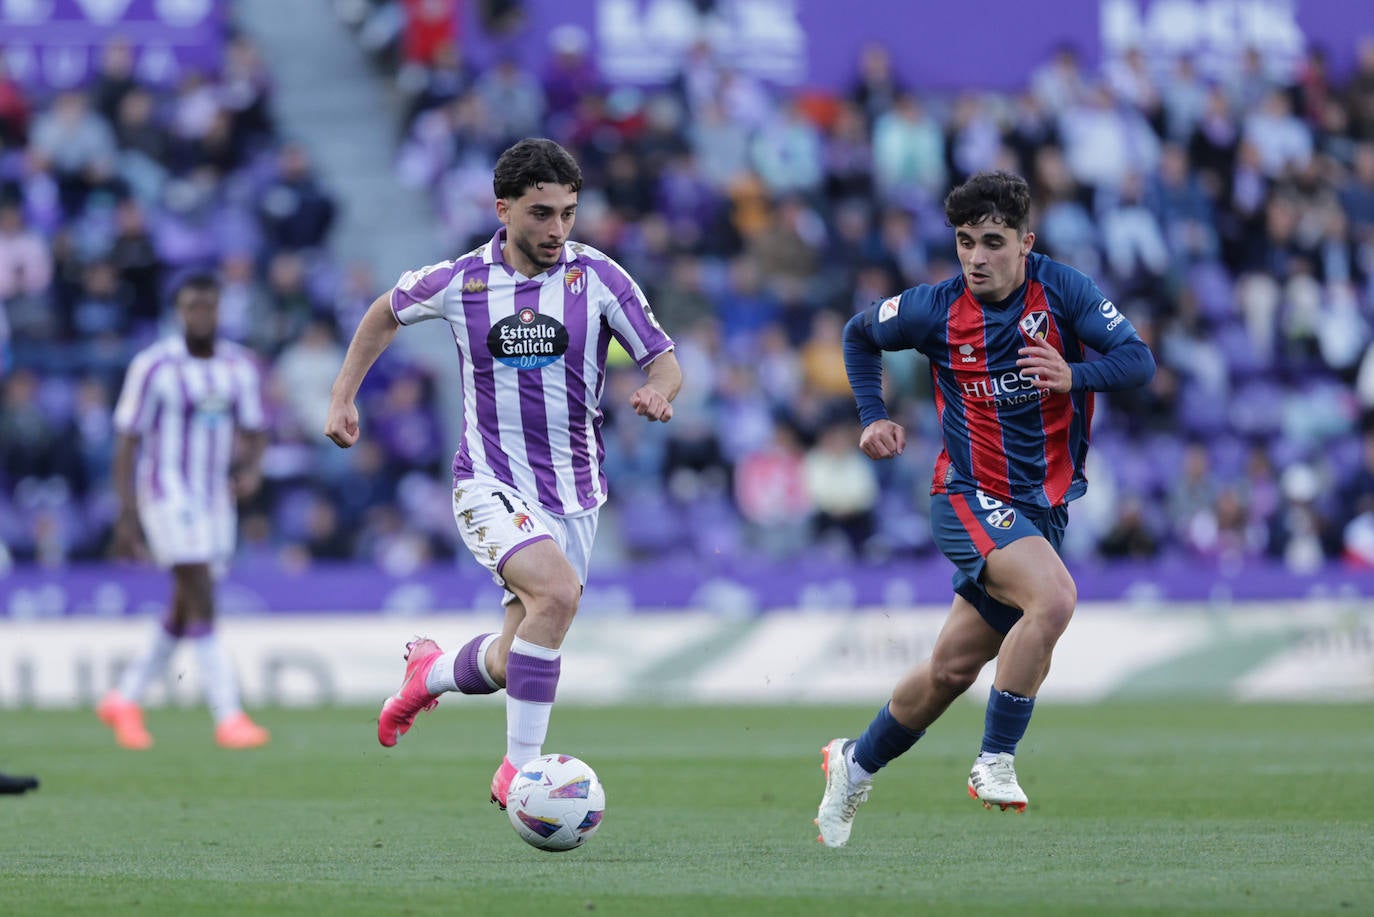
<point>500,783</point>
<point>398,713</point>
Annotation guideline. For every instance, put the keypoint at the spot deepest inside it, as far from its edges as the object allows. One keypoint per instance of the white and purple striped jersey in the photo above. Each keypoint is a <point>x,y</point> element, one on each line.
<point>186,409</point>
<point>533,361</point>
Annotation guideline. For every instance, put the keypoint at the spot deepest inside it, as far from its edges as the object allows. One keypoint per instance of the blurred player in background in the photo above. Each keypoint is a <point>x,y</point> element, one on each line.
<point>533,315</point>
<point>1006,343</point>
<point>179,464</point>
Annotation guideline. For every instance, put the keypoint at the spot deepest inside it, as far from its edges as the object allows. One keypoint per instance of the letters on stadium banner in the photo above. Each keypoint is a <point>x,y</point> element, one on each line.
<point>56,44</point>
<point>1317,651</point>
<point>814,43</point>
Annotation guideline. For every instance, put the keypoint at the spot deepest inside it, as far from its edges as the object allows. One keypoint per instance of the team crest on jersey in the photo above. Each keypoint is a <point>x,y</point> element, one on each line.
<point>888,309</point>
<point>1002,518</point>
<point>528,340</point>
<point>575,280</point>
<point>1035,325</point>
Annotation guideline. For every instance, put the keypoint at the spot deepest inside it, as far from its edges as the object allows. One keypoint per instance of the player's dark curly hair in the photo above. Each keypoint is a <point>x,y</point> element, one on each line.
<point>197,281</point>
<point>999,195</point>
<point>532,162</point>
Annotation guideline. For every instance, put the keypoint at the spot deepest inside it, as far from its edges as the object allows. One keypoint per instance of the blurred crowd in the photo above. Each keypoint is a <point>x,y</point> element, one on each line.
<point>1231,219</point>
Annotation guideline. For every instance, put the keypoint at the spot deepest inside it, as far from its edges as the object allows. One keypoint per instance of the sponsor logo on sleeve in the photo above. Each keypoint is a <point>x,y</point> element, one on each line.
<point>1111,314</point>
<point>888,309</point>
<point>410,278</point>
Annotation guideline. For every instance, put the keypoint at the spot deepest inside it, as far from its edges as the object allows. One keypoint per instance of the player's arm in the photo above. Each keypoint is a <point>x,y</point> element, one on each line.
<point>863,364</point>
<point>374,334</point>
<point>246,475</point>
<point>1126,364</point>
<point>1126,361</point>
<point>128,532</point>
<point>654,399</point>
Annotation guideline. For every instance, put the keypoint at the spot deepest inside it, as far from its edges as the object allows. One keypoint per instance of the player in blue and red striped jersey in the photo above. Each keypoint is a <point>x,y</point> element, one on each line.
<point>1007,341</point>
<point>533,315</point>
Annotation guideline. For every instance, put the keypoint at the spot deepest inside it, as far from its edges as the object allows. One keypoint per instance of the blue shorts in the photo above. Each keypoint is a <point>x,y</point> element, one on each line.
<point>968,526</point>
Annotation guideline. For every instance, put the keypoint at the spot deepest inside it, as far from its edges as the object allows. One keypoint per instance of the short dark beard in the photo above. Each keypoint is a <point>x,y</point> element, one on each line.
<point>200,346</point>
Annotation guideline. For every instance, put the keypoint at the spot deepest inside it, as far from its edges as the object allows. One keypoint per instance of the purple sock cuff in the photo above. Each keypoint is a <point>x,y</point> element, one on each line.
<point>194,629</point>
<point>530,678</point>
<point>467,672</point>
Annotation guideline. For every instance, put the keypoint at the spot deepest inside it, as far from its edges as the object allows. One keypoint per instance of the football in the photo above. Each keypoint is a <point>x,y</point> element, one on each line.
<point>556,802</point>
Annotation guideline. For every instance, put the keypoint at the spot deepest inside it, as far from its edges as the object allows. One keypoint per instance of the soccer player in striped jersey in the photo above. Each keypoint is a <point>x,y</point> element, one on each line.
<point>1007,341</point>
<point>533,314</point>
<point>191,433</point>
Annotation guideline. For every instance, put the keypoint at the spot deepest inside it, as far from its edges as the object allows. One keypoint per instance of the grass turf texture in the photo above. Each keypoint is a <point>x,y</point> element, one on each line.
<point>1181,808</point>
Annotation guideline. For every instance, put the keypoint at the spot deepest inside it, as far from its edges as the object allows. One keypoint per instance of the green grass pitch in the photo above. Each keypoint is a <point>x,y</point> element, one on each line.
<point>1180,808</point>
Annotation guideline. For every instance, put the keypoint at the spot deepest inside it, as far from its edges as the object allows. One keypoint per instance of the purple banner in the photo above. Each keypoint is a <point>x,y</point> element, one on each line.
<point>950,46</point>
<point>57,44</point>
<point>121,591</point>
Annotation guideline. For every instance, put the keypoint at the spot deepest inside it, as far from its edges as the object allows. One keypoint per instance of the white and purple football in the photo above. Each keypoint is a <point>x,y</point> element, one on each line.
<point>555,802</point>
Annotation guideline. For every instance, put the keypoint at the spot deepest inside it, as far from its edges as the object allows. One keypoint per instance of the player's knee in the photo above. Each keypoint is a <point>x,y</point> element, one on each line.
<point>1055,609</point>
<point>953,679</point>
<point>556,601</point>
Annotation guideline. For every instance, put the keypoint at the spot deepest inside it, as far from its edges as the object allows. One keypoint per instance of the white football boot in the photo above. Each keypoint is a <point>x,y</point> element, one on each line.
<point>835,817</point>
<point>993,783</point>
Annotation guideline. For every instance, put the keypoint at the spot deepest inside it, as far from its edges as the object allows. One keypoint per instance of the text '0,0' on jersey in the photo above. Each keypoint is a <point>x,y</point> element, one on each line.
<point>1002,435</point>
<point>533,361</point>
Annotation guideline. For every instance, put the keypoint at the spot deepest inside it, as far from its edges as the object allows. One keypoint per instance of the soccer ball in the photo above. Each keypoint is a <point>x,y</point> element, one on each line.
<point>555,802</point>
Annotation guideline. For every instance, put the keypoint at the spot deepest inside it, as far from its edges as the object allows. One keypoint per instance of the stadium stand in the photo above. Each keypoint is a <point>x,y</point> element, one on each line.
<point>1232,220</point>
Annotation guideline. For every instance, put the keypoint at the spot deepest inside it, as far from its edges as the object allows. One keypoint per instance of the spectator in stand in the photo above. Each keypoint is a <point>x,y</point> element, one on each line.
<point>842,487</point>
<point>14,111</point>
<point>26,266</point>
<point>1130,536</point>
<point>294,210</point>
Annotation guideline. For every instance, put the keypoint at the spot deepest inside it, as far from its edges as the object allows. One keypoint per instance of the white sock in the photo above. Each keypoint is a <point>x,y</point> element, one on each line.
<point>134,681</point>
<point>857,774</point>
<point>440,676</point>
<point>527,723</point>
<point>217,673</point>
<point>482,661</point>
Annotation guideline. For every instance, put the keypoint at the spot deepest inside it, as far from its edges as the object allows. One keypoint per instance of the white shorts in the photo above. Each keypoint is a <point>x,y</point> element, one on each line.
<point>185,531</point>
<point>495,522</point>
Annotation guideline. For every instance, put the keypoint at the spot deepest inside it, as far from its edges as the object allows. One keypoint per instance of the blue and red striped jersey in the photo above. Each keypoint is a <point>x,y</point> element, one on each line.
<point>1001,435</point>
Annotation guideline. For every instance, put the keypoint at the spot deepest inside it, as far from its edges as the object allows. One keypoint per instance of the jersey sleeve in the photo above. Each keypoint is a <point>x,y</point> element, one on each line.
<point>627,312</point>
<point>1126,359</point>
<point>904,321</point>
<point>419,295</point>
<point>248,410</point>
<point>897,323</point>
<point>133,414</point>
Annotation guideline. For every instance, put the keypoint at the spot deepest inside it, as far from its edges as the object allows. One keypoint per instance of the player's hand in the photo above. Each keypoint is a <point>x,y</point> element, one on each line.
<point>128,537</point>
<point>883,439</point>
<point>341,425</point>
<point>247,481</point>
<point>1046,366</point>
<point>651,404</point>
